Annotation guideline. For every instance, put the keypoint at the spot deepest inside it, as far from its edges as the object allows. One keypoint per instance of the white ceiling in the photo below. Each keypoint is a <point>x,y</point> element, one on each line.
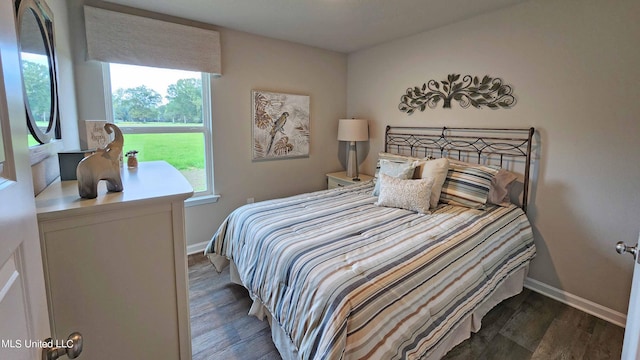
<point>340,25</point>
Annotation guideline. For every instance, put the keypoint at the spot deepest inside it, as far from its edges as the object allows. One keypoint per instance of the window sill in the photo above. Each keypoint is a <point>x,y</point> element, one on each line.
<point>201,200</point>
<point>38,153</point>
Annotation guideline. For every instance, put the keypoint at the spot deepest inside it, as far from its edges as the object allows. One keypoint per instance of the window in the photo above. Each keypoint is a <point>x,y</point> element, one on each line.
<point>164,114</point>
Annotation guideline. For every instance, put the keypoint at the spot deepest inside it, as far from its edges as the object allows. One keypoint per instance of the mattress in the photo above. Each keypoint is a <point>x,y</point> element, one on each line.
<point>342,278</point>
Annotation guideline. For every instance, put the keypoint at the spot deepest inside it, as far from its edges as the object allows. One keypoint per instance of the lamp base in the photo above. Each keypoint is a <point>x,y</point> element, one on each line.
<point>352,161</point>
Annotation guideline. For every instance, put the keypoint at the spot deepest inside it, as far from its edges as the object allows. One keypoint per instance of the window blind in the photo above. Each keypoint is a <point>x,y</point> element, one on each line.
<point>129,39</point>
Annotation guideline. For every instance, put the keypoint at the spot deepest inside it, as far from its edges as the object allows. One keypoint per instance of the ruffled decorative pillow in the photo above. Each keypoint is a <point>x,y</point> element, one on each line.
<point>406,194</point>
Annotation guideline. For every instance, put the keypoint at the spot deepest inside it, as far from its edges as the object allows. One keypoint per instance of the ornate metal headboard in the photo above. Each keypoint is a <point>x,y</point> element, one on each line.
<point>503,147</point>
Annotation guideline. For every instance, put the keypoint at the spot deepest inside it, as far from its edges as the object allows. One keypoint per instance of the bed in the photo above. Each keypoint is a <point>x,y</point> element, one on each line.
<point>338,276</point>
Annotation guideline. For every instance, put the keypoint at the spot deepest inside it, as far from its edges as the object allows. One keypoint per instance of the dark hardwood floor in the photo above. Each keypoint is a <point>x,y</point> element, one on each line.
<point>527,326</point>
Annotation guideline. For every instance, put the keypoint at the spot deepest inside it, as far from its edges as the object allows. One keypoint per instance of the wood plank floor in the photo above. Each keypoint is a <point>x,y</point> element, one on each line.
<point>527,326</point>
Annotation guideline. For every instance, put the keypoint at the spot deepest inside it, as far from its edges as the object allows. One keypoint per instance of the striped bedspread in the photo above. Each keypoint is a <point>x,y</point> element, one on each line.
<point>346,279</point>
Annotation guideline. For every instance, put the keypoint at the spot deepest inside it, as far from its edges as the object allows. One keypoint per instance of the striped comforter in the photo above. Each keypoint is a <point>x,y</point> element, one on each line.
<point>346,279</point>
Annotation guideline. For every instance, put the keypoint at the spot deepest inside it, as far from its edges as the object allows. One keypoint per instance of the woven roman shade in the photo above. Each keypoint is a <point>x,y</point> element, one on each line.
<point>129,39</point>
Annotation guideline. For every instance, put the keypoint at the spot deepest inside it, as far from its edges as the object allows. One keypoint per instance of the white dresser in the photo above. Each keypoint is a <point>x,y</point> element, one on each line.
<point>116,266</point>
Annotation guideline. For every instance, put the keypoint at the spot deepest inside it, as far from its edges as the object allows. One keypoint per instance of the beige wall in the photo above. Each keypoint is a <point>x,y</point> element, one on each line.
<point>254,62</point>
<point>248,62</point>
<point>574,66</point>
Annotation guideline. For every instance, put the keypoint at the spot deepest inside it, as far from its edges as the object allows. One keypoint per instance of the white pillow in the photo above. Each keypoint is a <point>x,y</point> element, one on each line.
<point>398,170</point>
<point>406,194</point>
<point>436,169</point>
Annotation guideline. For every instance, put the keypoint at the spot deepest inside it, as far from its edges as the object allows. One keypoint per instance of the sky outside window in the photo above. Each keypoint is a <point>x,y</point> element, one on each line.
<point>131,76</point>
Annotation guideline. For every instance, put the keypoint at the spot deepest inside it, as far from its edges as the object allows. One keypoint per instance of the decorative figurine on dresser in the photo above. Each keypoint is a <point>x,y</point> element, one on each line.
<point>132,160</point>
<point>103,165</point>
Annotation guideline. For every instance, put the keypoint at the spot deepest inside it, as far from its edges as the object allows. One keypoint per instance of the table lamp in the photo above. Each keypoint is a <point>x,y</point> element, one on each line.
<point>353,130</point>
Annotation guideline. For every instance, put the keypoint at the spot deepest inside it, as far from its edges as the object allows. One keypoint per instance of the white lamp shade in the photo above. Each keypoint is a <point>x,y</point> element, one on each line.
<point>353,130</point>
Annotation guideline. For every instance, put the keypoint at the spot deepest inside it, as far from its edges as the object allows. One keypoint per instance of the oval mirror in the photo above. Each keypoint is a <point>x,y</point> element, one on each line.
<point>38,69</point>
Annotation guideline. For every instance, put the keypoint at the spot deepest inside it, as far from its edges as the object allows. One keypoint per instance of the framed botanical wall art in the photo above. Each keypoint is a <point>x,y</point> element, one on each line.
<point>280,125</point>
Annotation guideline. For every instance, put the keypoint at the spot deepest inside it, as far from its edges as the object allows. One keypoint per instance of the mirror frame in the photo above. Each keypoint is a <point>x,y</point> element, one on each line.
<point>44,17</point>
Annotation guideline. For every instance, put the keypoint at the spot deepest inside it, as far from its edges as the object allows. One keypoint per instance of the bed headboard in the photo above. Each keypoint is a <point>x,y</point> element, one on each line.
<point>503,147</point>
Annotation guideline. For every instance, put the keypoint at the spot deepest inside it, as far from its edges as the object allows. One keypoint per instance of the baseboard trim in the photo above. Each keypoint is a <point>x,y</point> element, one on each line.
<point>604,313</point>
<point>196,248</point>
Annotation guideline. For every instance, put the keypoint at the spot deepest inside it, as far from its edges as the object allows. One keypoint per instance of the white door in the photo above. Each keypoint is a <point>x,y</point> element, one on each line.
<point>24,318</point>
<point>631,347</point>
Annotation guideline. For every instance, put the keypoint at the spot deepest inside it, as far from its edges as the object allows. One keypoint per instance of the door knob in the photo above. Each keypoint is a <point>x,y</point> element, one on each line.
<point>72,347</point>
<point>622,248</point>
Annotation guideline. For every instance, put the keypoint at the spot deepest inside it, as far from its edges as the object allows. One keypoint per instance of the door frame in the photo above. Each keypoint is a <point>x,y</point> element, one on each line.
<point>23,304</point>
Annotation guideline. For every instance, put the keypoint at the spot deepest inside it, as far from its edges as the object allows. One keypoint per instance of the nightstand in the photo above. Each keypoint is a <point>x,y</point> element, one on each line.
<point>339,179</point>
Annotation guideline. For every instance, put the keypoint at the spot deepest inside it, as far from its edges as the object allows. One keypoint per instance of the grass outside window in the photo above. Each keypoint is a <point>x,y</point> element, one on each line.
<point>185,151</point>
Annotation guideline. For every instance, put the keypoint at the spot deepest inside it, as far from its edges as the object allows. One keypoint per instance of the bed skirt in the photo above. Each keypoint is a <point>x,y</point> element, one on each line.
<point>510,286</point>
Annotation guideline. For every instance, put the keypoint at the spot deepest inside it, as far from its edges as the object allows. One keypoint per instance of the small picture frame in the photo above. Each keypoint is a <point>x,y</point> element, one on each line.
<point>97,136</point>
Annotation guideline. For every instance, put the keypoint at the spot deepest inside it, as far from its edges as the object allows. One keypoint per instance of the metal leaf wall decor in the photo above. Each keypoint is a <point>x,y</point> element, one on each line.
<point>470,91</point>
